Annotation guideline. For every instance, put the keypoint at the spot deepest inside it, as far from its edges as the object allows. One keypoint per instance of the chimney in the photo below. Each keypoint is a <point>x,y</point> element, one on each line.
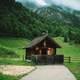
<point>45,33</point>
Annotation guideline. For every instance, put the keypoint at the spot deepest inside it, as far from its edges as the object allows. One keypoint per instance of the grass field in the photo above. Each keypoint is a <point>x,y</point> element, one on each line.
<point>16,45</point>
<point>7,77</point>
<point>68,49</point>
<point>74,68</point>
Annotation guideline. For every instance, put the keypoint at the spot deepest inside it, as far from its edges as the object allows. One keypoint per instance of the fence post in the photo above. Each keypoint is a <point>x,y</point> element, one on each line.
<point>69,59</point>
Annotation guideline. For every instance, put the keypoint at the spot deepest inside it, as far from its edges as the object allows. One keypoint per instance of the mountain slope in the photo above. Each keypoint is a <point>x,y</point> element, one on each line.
<point>66,22</point>
<point>57,13</point>
<point>15,20</point>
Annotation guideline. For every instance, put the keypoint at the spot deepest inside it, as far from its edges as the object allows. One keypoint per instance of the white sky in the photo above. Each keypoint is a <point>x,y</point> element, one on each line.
<point>41,2</point>
<point>75,4</point>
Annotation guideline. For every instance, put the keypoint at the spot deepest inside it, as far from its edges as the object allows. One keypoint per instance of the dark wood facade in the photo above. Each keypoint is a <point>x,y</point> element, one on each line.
<point>42,47</point>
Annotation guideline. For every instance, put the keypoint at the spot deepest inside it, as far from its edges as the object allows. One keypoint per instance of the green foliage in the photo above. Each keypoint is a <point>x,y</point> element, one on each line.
<point>65,37</point>
<point>14,61</point>
<point>14,45</point>
<point>61,22</point>
<point>7,77</point>
<point>7,2</point>
<point>4,52</point>
<point>72,50</point>
<point>74,35</point>
<point>74,68</point>
<point>18,21</point>
<point>13,42</point>
<point>21,22</point>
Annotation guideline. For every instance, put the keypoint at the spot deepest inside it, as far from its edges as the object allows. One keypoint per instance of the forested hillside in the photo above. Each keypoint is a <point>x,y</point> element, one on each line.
<point>15,20</point>
<point>18,21</point>
<point>64,22</point>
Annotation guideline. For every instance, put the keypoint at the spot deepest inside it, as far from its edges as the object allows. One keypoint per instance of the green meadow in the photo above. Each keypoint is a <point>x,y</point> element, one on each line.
<point>15,45</point>
<point>68,49</point>
<point>7,77</point>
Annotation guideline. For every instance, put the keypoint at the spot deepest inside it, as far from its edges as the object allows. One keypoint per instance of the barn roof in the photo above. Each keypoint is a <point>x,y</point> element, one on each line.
<point>39,39</point>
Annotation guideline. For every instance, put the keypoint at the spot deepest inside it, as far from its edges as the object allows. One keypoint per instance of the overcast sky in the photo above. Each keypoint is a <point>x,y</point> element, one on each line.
<point>75,4</point>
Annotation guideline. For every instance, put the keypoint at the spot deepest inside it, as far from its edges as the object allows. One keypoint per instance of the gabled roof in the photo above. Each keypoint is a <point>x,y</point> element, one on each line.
<point>39,39</point>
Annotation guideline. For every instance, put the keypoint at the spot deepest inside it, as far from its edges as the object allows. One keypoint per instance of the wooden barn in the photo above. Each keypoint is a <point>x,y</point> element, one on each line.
<point>42,50</point>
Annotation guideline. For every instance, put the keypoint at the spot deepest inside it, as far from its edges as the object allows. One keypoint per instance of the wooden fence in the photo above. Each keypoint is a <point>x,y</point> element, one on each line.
<point>45,59</point>
<point>57,59</point>
<point>71,59</point>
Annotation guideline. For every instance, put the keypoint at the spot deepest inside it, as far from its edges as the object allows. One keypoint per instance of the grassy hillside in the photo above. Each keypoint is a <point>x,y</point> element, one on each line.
<point>68,49</point>
<point>15,20</point>
<point>6,77</point>
<point>14,44</point>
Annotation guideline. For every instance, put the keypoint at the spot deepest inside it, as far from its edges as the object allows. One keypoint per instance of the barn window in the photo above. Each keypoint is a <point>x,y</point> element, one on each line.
<point>37,48</point>
<point>50,51</point>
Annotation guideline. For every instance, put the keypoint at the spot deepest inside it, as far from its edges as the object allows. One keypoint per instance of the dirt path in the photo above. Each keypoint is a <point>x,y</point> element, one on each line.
<point>53,72</point>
